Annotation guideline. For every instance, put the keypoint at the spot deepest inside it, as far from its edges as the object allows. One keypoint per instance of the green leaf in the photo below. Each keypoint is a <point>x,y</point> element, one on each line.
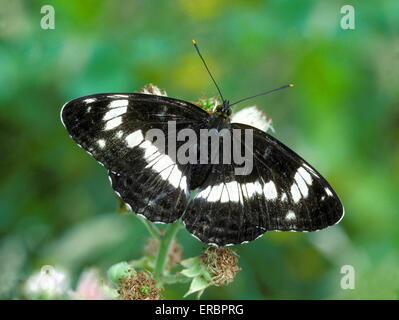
<point>119,270</point>
<point>194,268</point>
<point>146,262</point>
<point>199,283</point>
<point>208,104</point>
<point>188,263</point>
<point>192,271</point>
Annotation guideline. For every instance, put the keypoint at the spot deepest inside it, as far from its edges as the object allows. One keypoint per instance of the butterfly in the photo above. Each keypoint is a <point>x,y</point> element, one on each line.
<point>281,192</point>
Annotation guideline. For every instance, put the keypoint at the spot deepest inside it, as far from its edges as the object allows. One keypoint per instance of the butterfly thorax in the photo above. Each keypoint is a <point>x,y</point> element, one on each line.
<point>221,117</point>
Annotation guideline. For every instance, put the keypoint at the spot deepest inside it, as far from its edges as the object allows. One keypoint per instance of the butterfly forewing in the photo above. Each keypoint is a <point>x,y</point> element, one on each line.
<point>113,128</point>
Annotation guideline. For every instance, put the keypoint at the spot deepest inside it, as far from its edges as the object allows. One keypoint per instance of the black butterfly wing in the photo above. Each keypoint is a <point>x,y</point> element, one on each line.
<point>112,128</point>
<point>283,192</point>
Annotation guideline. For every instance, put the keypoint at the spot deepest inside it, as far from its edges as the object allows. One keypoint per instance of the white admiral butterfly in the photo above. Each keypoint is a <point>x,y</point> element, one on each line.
<point>282,192</point>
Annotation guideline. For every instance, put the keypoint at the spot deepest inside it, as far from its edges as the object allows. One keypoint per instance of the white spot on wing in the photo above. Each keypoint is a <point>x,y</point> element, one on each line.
<point>284,197</point>
<point>225,196</point>
<point>149,148</point>
<point>101,143</point>
<point>175,177</point>
<point>222,192</point>
<point>269,190</point>
<point>163,163</point>
<point>118,103</point>
<point>204,193</point>
<point>296,195</point>
<point>258,187</point>
<point>305,175</point>
<point>112,124</point>
<point>216,193</point>
<point>301,184</point>
<point>183,183</point>
<point>290,215</point>
<point>328,191</point>
<point>90,100</point>
<point>250,189</point>
<point>134,139</point>
<point>233,191</point>
<point>151,159</point>
<point>165,174</point>
<point>115,112</point>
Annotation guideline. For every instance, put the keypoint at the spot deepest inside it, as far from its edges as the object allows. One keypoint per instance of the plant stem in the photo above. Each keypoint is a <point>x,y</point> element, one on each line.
<point>151,228</point>
<point>164,245</point>
<point>177,278</point>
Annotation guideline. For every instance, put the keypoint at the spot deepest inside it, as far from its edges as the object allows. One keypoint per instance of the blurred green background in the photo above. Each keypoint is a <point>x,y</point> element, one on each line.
<point>56,205</point>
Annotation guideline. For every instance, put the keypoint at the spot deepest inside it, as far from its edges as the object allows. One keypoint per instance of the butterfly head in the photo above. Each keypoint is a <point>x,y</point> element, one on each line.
<point>223,110</point>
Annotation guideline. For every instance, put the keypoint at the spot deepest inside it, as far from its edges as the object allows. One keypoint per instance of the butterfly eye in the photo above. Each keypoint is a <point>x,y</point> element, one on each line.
<point>229,112</point>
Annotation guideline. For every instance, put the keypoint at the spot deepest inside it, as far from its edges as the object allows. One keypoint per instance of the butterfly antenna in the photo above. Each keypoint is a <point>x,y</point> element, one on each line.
<point>199,53</point>
<point>261,94</point>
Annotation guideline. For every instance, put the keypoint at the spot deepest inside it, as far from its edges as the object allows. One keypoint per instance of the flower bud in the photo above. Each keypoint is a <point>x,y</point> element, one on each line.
<point>139,286</point>
<point>221,263</point>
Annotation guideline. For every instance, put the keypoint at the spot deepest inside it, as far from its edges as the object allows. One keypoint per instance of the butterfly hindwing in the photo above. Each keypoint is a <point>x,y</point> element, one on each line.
<point>282,193</point>
<point>113,127</point>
